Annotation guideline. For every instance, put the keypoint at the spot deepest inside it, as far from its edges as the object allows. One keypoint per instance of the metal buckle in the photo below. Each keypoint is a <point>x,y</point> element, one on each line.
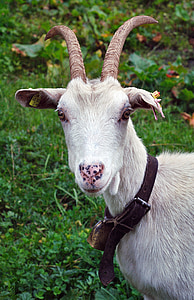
<point>143,203</point>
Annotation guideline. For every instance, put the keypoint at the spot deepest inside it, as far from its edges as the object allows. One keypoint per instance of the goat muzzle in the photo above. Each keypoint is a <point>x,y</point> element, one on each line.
<point>91,175</point>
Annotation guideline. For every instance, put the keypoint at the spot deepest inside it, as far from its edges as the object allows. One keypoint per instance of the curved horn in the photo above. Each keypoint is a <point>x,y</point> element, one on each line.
<point>77,68</point>
<point>111,61</point>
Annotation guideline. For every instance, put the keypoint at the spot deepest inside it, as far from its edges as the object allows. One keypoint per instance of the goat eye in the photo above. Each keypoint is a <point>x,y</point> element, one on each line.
<point>61,115</point>
<point>126,114</point>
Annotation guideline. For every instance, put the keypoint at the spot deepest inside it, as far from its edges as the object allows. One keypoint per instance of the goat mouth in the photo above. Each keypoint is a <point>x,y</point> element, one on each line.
<point>97,190</point>
<point>92,191</point>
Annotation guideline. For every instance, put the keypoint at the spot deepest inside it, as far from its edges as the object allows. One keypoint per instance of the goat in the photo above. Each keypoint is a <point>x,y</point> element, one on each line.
<point>107,157</point>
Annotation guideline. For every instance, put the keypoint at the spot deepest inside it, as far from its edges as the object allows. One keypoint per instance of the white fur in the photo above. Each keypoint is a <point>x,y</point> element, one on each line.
<point>157,257</point>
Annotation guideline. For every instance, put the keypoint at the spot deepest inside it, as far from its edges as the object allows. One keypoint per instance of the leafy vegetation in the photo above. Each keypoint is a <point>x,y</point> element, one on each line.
<point>44,218</point>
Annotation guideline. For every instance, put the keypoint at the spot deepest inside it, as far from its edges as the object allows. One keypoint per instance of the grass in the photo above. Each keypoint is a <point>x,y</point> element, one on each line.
<point>44,218</point>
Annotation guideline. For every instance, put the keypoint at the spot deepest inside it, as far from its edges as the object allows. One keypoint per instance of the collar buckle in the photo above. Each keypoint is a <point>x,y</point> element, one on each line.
<point>142,203</point>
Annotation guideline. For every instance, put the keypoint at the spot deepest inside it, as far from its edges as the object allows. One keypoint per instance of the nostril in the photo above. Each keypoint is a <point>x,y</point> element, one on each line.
<point>81,167</point>
<point>91,172</point>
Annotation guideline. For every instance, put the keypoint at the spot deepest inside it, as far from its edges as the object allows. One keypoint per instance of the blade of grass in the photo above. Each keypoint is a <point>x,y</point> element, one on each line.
<point>74,197</point>
<point>60,207</point>
<point>109,293</point>
<point>46,162</point>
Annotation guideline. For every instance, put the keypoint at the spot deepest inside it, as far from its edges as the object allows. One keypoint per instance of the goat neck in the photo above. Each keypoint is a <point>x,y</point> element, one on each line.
<point>131,174</point>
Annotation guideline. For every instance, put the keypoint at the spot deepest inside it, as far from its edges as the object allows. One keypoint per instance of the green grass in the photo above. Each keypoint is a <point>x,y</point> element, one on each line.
<point>44,218</point>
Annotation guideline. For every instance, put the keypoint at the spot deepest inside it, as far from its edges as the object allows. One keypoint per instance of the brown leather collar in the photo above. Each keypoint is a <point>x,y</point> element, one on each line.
<point>107,234</point>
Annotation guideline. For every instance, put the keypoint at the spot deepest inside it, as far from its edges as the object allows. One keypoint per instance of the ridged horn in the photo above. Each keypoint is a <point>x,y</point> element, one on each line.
<point>77,68</point>
<point>111,60</point>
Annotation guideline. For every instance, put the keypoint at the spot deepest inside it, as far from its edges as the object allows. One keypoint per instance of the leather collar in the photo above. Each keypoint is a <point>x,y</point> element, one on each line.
<point>107,234</point>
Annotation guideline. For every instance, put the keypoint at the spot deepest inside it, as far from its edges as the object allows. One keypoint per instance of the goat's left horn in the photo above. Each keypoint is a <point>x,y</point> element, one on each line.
<point>111,61</point>
<point>77,68</point>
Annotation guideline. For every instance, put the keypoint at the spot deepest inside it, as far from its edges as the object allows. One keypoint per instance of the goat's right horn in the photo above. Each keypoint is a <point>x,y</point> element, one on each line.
<point>111,61</point>
<point>77,68</point>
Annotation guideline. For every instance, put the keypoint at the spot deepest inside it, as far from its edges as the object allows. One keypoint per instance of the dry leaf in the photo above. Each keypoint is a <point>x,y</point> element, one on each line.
<point>105,35</point>
<point>157,37</point>
<point>172,73</point>
<point>141,38</point>
<point>175,91</point>
<point>191,121</point>
<point>189,118</point>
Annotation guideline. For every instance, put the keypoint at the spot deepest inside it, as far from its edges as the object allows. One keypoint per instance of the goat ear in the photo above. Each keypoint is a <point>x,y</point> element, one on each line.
<point>139,98</point>
<point>39,98</point>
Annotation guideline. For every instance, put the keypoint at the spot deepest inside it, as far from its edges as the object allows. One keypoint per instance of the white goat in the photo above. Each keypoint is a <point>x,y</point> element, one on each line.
<point>107,157</point>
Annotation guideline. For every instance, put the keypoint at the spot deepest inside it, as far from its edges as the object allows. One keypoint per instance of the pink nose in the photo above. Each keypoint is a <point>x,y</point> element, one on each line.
<point>91,174</point>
